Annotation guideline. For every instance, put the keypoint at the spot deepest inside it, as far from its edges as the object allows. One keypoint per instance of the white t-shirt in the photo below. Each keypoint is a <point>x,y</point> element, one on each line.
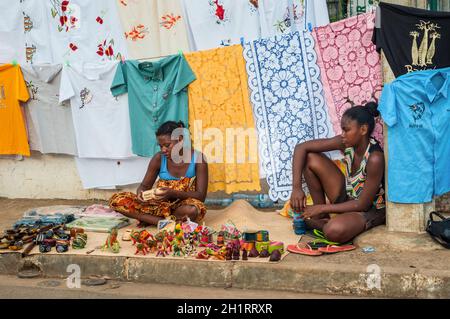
<point>108,173</point>
<point>276,15</point>
<point>101,121</point>
<point>37,46</point>
<point>50,125</point>
<point>153,28</point>
<point>85,30</point>
<point>11,32</point>
<point>216,23</point>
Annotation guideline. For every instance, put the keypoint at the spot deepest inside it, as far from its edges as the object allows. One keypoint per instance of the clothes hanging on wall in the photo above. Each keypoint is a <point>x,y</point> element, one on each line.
<point>216,23</point>
<point>350,67</point>
<point>108,173</point>
<point>288,102</point>
<point>276,16</point>
<point>412,39</point>
<point>157,92</point>
<point>50,124</point>
<point>219,101</point>
<point>101,121</point>
<point>153,27</point>
<point>13,90</point>
<point>415,107</point>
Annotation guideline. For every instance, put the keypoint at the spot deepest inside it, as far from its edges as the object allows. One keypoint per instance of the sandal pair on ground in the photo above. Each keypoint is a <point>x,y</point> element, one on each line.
<point>320,245</point>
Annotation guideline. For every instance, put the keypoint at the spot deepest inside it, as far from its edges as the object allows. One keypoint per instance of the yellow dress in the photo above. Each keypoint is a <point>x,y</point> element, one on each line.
<point>221,119</point>
<point>13,90</point>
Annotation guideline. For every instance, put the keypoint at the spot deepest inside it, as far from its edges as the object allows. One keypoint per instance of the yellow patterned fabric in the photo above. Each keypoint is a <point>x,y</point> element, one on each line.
<point>219,99</point>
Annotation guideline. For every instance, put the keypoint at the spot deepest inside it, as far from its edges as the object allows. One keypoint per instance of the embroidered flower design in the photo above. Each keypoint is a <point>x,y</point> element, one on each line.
<point>217,9</point>
<point>86,97</point>
<point>169,21</point>
<point>137,32</point>
<point>106,49</point>
<point>73,47</point>
<point>283,25</point>
<point>33,89</point>
<point>65,14</point>
<point>283,84</point>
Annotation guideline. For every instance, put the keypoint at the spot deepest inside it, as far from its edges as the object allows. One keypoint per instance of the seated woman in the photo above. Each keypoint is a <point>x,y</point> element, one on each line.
<point>356,197</point>
<point>183,183</point>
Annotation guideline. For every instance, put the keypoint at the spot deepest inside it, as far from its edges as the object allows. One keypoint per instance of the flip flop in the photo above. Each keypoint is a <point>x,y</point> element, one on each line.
<point>331,249</point>
<point>303,250</point>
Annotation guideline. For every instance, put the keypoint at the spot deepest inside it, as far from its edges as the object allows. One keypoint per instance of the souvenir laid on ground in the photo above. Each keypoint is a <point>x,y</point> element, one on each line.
<point>111,243</point>
<point>99,224</point>
<point>98,210</point>
<point>38,217</point>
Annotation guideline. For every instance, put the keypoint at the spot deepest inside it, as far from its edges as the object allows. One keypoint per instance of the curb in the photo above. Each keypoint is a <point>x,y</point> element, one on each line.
<point>329,278</point>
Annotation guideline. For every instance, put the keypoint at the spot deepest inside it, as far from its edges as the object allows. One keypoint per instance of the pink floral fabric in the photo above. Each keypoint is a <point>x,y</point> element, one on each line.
<point>350,66</point>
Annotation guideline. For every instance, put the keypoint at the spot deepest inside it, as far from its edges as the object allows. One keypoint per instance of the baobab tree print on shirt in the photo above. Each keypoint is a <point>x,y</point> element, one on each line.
<point>422,55</point>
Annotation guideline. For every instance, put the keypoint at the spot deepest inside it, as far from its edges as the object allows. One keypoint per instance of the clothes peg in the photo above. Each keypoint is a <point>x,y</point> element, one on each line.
<point>122,59</point>
<point>242,41</point>
<point>14,62</point>
<point>180,52</point>
<point>67,63</point>
<point>310,26</point>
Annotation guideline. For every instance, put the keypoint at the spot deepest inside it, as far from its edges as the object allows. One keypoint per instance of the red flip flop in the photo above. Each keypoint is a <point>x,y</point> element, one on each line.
<point>331,249</point>
<point>303,250</point>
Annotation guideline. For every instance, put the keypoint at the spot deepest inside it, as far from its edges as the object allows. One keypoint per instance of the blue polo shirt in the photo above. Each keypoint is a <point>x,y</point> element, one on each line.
<point>416,109</point>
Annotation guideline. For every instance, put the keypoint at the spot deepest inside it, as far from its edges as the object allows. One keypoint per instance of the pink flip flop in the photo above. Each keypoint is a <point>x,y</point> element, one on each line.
<point>331,249</point>
<point>303,250</point>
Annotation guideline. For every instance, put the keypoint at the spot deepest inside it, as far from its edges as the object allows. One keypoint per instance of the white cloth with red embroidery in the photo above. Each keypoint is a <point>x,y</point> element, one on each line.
<point>101,121</point>
<point>84,30</point>
<point>153,28</point>
<point>216,23</point>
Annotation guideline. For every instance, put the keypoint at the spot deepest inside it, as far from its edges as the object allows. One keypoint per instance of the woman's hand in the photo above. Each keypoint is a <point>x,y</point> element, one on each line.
<point>298,200</point>
<point>166,194</point>
<point>313,211</point>
<point>139,198</point>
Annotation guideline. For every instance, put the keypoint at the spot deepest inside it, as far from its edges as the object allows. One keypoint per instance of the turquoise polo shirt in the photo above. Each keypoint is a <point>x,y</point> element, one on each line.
<point>416,109</point>
<point>157,92</point>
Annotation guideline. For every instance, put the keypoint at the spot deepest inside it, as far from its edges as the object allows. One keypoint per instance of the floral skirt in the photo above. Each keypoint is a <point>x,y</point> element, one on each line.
<point>125,202</point>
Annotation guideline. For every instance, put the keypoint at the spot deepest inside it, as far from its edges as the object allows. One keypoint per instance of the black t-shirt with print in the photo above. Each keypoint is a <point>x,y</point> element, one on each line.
<point>412,39</point>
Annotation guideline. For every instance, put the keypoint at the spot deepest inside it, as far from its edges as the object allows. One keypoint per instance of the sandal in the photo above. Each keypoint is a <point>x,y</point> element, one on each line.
<point>331,249</point>
<point>303,250</point>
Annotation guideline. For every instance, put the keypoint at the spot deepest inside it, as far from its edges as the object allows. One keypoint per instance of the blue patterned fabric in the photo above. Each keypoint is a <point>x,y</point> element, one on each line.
<point>287,100</point>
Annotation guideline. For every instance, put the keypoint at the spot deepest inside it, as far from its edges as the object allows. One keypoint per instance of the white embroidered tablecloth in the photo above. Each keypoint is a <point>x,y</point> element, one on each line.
<point>287,101</point>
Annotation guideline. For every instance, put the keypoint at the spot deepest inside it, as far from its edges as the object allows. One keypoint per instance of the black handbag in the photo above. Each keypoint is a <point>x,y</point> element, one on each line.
<point>439,230</point>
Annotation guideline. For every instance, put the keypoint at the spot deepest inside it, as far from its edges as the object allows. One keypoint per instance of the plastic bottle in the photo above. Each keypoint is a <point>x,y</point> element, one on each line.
<point>298,224</point>
<point>218,201</point>
<point>259,200</point>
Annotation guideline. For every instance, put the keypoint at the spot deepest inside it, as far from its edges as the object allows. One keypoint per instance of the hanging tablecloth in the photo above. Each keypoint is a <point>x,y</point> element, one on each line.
<point>350,67</point>
<point>288,102</point>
